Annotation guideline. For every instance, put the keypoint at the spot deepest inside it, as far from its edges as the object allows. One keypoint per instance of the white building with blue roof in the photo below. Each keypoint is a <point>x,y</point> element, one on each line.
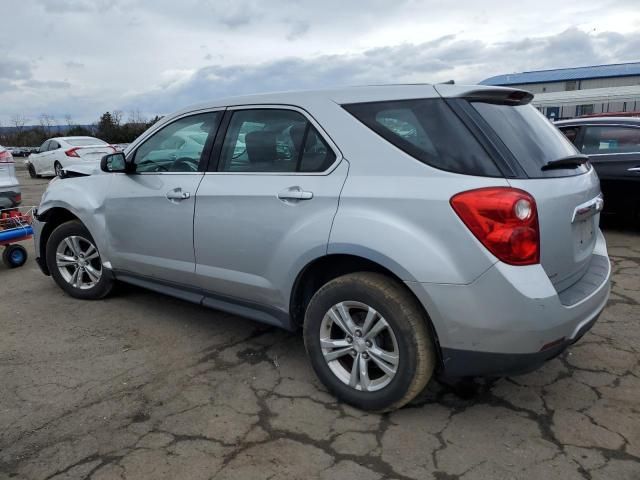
<point>572,92</point>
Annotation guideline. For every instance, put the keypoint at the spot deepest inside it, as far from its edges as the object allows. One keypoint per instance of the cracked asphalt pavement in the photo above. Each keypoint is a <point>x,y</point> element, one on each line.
<point>144,386</point>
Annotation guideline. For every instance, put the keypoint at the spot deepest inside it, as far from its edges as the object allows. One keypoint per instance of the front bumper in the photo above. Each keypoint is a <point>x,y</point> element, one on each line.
<point>511,319</point>
<point>37,233</point>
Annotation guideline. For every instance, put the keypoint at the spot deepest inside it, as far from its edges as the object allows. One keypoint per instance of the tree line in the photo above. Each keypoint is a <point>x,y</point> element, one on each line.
<point>112,127</point>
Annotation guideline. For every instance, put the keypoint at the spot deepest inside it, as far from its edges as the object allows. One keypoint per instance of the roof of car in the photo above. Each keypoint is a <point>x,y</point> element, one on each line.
<point>604,120</point>
<point>353,94</point>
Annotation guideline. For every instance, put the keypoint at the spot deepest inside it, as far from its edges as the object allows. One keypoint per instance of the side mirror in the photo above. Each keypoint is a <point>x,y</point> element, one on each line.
<point>113,163</point>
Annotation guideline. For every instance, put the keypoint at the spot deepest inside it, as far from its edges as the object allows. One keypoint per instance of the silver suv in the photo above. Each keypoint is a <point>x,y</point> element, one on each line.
<point>409,230</point>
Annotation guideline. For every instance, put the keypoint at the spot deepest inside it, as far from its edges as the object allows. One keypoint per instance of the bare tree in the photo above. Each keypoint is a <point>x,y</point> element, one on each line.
<point>69,120</point>
<point>136,117</point>
<point>117,115</point>
<point>47,122</point>
<point>19,121</point>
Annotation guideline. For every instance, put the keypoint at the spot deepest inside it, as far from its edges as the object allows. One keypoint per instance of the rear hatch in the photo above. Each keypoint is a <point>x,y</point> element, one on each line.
<point>545,164</point>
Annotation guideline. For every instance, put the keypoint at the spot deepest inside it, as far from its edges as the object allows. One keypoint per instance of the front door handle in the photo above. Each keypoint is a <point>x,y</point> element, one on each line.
<point>177,194</point>
<point>295,193</point>
<point>634,169</point>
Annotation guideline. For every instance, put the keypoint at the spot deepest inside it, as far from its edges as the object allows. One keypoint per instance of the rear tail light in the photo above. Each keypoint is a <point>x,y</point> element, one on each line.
<point>72,152</point>
<point>6,157</point>
<point>505,220</point>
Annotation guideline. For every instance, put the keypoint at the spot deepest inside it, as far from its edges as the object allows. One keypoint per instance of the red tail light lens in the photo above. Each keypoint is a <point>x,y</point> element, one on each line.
<point>505,220</point>
<point>72,152</point>
<point>6,157</point>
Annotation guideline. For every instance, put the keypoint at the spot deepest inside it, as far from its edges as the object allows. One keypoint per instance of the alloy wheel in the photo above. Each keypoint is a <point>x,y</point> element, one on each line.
<point>359,346</point>
<point>78,262</point>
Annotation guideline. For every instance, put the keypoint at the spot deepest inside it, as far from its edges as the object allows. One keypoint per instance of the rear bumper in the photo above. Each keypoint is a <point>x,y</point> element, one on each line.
<point>511,319</point>
<point>469,363</point>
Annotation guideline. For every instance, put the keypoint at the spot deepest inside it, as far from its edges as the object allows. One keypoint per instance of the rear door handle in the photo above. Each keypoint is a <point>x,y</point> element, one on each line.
<point>177,194</point>
<point>295,193</point>
<point>634,169</point>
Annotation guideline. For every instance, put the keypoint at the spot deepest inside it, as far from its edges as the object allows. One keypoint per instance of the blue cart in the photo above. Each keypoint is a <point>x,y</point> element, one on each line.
<point>15,226</point>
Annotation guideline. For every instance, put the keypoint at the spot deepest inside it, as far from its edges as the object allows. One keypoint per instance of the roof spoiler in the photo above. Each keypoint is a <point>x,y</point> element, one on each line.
<point>503,96</point>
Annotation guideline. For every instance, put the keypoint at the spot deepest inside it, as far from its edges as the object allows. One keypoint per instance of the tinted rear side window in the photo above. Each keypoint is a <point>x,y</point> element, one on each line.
<point>530,137</point>
<point>429,131</point>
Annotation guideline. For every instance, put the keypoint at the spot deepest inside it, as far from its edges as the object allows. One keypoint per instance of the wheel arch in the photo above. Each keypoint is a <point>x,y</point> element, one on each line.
<point>52,218</point>
<point>324,269</point>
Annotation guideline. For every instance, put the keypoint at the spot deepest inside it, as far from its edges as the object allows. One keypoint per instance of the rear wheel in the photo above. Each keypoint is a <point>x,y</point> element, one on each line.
<point>14,256</point>
<point>75,263</point>
<point>368,341</point>
<point>58,169</point>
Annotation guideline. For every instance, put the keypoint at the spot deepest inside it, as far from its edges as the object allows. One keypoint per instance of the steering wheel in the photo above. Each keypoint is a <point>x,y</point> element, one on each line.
<point>184,164</point>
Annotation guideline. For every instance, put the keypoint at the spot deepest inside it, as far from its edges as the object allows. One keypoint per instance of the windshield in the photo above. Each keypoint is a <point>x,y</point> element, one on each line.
<point>532,139</point>
<point>83,142</point>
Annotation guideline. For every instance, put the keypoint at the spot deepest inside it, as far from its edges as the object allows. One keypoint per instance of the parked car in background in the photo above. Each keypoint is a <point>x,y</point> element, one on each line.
<point>10,194</point>
<point>613,147</point>
<point>57,153</point>
<point>408,230</point>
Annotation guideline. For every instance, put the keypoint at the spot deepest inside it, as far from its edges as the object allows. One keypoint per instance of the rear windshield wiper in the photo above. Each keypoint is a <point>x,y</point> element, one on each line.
<point>566,162</point>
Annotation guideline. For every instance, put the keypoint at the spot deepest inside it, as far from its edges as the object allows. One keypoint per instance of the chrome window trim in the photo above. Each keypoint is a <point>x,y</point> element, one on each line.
<point>323,133</point>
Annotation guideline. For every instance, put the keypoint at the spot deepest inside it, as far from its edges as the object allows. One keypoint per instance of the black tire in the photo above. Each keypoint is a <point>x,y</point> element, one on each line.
<point>406,320</point>
<point>57,168</point>
<point>101,288</point>
<point>14,256</point>
<point>32,171</point>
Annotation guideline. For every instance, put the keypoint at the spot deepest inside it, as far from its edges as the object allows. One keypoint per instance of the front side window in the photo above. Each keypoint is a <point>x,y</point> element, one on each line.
<point>44,147</point>
<point>429,131</point>
<point>273,140</point>
<point>177,147</point>
<point>610,139</point>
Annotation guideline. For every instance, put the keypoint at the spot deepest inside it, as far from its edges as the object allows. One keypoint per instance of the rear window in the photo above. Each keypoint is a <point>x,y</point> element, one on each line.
<point>84,142</point>
<point>429,131</point>
<point>530,137</point>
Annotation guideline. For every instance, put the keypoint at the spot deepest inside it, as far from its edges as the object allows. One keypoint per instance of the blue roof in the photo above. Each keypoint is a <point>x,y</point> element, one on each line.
<point>562,74</point>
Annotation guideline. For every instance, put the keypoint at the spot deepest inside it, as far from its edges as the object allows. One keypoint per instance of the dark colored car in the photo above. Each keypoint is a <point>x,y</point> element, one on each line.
<point>613,147</point>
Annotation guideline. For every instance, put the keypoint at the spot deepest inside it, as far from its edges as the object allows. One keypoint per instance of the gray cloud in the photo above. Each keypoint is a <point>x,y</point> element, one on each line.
<point>40,84</point>
<point>73,64</point>
<point>437,60</point>
<point>74,6</point>
<point>14,69</point>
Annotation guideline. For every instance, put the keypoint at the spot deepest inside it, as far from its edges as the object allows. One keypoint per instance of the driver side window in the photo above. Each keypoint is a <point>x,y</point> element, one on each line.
<point>177,147</point>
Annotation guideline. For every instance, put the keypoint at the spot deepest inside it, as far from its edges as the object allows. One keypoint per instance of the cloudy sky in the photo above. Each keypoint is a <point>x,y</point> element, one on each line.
<point>83,57</point>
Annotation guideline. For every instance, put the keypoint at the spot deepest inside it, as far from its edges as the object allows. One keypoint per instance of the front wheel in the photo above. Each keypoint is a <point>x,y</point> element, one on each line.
<point>75,263</point>
<point>368,341</point>
<point>32,171</point>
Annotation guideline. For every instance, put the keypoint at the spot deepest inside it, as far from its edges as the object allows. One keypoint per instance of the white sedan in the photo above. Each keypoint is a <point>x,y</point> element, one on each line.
<point>58,153</point>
